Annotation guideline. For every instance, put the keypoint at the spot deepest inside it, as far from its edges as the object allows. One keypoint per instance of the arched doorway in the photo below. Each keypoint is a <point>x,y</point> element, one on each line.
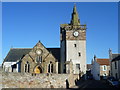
<point>37,69</point>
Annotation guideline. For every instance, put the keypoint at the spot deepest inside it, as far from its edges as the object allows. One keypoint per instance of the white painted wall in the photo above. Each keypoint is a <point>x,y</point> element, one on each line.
<point>72,54</point>
<point>7,66</point>
<point>95,70</point>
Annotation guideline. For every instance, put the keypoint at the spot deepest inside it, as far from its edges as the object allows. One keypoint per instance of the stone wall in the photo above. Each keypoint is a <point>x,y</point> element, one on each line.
<point>20,80</point>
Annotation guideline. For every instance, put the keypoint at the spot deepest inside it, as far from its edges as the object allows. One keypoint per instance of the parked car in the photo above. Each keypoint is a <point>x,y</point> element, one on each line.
<point>112,81</point>
<point>90,77</point>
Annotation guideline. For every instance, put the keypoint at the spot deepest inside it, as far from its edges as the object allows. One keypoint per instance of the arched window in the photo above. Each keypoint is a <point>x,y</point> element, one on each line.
<point>50,67</point>
<point>27,67</point>
<point>39,59</point>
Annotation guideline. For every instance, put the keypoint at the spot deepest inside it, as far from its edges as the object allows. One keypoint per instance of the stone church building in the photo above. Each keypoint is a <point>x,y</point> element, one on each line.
<point>69,58</point>
<point>32,60</point>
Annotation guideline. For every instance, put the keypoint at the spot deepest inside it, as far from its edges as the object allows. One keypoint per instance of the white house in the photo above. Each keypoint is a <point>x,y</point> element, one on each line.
<point>100,68</point>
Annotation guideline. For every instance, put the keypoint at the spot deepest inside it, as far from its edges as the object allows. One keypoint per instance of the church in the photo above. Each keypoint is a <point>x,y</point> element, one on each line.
<point>69,58</point>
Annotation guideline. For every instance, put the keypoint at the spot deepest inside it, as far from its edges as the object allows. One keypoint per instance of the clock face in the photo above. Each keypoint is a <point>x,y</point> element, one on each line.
<point>75,33</point>
<point>39,52</point>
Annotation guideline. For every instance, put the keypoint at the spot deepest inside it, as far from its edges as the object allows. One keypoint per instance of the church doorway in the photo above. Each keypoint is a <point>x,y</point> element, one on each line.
<point>37,69</point>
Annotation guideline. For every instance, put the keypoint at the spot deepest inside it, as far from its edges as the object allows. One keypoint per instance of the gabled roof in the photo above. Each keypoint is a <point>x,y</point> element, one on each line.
<point>116,58</point>
<point>102,61</point>
<point>16,53</point>
<point>115,55</point>
<point>55,52</point>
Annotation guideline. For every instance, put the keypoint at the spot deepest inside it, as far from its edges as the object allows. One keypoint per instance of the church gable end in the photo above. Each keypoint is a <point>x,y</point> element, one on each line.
<point>38,60</point>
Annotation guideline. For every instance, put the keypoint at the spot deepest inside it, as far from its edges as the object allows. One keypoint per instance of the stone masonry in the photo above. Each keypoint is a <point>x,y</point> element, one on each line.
<point>27,80</point>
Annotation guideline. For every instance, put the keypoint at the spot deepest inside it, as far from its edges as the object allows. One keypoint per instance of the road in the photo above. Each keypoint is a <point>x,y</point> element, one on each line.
<point>91,84</point>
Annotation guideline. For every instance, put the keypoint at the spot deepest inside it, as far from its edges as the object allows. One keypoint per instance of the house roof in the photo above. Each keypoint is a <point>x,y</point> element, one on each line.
<point>17,53</point>
<point>116,58</point>
<point>115,55</point>
<point>102,61</point>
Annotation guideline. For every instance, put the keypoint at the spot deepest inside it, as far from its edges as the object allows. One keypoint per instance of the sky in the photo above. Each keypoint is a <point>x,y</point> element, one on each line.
<point>25,23</point>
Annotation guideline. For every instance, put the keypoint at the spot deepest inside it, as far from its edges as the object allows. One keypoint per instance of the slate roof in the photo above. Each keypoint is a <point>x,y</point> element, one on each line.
<point>102,61</point>
<point>115,55</point>
<point>17,53</point>
<point>55,52</point>
<point>116,58</point>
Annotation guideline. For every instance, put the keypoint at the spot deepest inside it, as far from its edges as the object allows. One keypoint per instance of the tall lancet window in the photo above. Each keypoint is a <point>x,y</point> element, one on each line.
<point>27,67</point>
<point>39,59</point>
<point>50,67</point>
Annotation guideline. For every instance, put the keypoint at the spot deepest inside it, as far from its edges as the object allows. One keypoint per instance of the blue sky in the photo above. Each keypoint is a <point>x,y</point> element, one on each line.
<point>23,24</point>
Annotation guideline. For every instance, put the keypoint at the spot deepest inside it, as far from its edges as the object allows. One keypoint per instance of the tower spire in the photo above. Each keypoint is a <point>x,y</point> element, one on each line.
<point>75,18</point>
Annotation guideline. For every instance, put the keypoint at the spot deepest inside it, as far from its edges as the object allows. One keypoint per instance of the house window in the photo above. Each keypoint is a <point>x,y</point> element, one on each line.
<point>104,68</point>
<point>115,65</point>
<point>75,45</point>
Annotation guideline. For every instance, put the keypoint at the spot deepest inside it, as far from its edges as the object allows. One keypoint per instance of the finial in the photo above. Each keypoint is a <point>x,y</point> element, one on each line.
<point>74,4</point>
<point>110,51</point>
<point>75,19</point>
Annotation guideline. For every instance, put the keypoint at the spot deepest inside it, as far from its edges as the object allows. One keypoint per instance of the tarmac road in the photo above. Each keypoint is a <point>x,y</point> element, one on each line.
<point>92,84</point>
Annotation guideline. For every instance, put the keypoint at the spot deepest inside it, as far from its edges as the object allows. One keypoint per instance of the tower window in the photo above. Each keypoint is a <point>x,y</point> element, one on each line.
<point>75,45</point>
<point>79,54</point>
<point>78,66</point>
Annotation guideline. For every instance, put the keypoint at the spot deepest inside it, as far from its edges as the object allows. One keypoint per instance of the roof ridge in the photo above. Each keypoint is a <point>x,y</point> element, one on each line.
<point>55,48</point>
<point>102,58</point>
<point>115,53</point>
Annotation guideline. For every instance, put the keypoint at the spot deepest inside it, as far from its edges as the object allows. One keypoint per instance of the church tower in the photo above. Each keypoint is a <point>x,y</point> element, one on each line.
<point>73,45</point>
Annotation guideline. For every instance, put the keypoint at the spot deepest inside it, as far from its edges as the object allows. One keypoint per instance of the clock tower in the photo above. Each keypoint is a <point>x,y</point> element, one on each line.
<point>73,45</point>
